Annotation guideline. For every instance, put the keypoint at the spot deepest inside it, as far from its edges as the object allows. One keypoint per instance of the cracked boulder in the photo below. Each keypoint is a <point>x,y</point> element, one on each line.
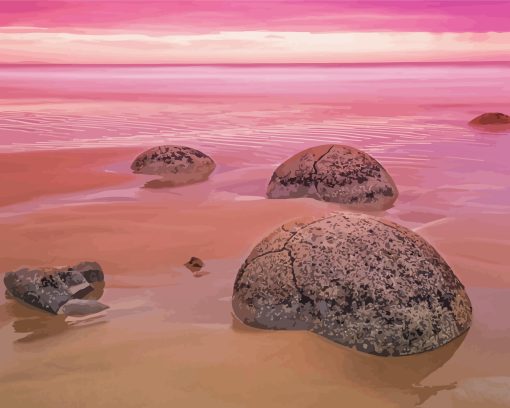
<point>335,173</point>
<point>177,165</point>
<point>360,281</point>
<point>55,290</point>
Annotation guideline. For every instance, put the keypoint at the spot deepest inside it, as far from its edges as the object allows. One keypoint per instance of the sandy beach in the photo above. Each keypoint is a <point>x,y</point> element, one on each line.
<point>170,338</point>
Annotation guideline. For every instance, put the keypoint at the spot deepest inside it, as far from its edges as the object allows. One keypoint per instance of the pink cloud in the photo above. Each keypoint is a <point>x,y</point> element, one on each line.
<point>253,47</point>
<point>275,15</point>
<point>175,31</point>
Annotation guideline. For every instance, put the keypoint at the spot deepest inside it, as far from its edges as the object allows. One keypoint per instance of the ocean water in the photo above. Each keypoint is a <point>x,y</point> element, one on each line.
<point>411,117</point>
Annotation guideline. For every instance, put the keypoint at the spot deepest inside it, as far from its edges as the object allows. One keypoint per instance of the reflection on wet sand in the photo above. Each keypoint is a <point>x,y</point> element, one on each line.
<point>165,183</point>
<point>37,324</point>
<point>404,374</point>
<point>157,183</point>
<point>396,378</point>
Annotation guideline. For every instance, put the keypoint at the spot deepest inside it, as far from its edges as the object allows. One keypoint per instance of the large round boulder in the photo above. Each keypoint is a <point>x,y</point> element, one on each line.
<point>176,165</point>
<point>491,118</point>
<point>360,281</point>
<point>335,173</point>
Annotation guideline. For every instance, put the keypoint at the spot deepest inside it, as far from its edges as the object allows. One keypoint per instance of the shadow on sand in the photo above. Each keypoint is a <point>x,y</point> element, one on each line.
<point>397,379</point>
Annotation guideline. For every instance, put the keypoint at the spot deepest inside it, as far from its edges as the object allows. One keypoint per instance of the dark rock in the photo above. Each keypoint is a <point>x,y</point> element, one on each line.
<point>51,288</point>
<point>194,264</point>
<point>335,173</point>
<point>177,165</point>
<point>360,281</point>
<point>91,271</point>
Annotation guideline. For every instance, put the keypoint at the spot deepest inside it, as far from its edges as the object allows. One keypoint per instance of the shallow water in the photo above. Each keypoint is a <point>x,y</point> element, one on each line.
<point>412,118</point>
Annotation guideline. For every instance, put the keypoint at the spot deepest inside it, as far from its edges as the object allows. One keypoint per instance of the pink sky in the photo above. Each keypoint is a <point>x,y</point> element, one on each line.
<point>212,31</point>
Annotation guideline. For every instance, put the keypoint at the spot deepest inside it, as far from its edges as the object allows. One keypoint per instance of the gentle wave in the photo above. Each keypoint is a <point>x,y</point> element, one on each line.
<point>383,136</point>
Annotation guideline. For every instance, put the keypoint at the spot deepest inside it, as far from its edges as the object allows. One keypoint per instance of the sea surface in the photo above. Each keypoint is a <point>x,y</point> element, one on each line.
<point>411,117</point>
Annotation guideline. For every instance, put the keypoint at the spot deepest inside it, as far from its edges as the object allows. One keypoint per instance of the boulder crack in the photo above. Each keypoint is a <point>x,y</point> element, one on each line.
<point>316,171</point>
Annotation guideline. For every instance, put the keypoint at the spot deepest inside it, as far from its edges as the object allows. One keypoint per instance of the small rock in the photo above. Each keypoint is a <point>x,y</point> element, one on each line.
<point>335,173</point>
<point>360,281</point>
<point>177,165</point>
<point>194,264</point>
<point>51,288</point>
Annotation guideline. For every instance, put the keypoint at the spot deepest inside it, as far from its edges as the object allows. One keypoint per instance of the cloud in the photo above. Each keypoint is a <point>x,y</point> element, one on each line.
<point>252,47</point>
<point>209,16</point>
<point>246,31</point>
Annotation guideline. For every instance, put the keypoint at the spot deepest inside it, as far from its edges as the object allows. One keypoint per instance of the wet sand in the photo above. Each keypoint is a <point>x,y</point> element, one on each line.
<point>170,338</point>
<point>28,175</point>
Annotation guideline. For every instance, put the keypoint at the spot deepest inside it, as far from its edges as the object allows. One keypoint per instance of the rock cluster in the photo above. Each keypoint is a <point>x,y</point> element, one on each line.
<point>56,290</point>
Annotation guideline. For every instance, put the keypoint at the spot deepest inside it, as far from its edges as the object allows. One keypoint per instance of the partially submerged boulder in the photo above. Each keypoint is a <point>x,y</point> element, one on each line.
<point>50,289</point>
<point>360,281</point>
<point>177,165</point>
<point>335,173</point>
<point>491,118</point>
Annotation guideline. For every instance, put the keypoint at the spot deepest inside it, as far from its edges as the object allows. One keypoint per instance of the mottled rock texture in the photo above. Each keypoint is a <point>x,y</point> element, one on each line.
<point>334,173</point>
<point>360,281</point>
<point>491,118</point>
<point>50,289</point>
<point>177,165</point>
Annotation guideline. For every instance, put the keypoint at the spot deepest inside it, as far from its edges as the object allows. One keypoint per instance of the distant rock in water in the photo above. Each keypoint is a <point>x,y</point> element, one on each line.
<point>335,173</point>
<point>491,118</point>
<point>50,289</point>
<point>177,165</point>
<point>360,281</point>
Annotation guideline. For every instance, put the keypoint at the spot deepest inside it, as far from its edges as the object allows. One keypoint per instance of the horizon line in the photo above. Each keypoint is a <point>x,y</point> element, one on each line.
<point>255,64</point>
